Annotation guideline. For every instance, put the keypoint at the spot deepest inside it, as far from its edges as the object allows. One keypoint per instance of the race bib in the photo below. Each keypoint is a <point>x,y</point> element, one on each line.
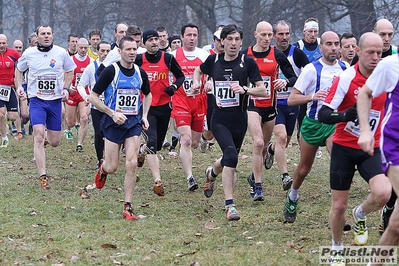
<point>284,93</point>
<point>267,83</point>
<point>225,97</point>
<point>374,120</point>
<point>127,101</point>
<point>5,92</point>
<point>46,86</point>
<point>188,82</point>
<point>77,78</point>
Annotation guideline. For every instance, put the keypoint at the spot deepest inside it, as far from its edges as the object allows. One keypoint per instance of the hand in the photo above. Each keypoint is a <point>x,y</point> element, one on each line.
<point>350,114</point>
<point>21,93</point>
<point>320,95</point>
<point>145,123</point>
<point>195,87</point>
<point>280,84</point>
<point>208,86</point>
<point>65,95</point>
<point>170,90</point>
<point>236,88</point>
<point>118,118</point>
<point>366,142</point>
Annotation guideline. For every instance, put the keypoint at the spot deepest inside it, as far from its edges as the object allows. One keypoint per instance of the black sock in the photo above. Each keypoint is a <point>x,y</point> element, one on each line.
<point>213,173</point>
<point>258,185</point>
<point>270,150</point>
<point>392,200</point>
<point>174,143</point>
<point>229,202</point>
<point>128,204</point>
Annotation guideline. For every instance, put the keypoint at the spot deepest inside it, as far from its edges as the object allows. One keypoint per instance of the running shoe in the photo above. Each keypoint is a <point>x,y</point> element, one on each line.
<point>159,189</point>
<point>232,213</point>
<point>287,182</point>
<point>79,148</point>
<point>192,185</point>
<point>4,143</point>
<point>251,183</point>
<point>319,153</point>
<point>77,126</point>
<point>269,158</point>
<point>337,260</point>
<point>13,130</point>
<point>258,194</point>
<point>128,213</point>
<point>290,209</point>
<point>141,156</point>
<point>384,220</point>
<point>44,182</point>
<point>166,145</point>
<point>173,154</point>
<point>101,178</point>
<point>68,135</point>
<point>203,145</point>
<point>19,136</point>
<point>210,183</point>
<point>360,230</point>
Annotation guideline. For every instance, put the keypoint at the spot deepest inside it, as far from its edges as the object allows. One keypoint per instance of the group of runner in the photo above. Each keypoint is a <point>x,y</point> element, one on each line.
<point>134,86</point>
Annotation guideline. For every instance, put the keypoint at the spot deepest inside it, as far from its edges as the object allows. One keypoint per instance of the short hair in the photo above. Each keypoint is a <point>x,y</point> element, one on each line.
<point>311,19</point>
<point>346,35</point>
<point>75,35</point>
<point>30,38</point>
<point>44,26</point>
<point>281,22</point>
<point>134,30</point>
<point>230,29</point>
<point>161,29</point>
<point>188,25</point>
<point>102,42</point>
<point>117,25</point>
<point>125,39</point>
<point>95,32</point>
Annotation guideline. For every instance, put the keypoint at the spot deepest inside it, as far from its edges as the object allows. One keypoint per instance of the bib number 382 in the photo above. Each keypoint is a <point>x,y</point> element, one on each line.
<point>127,101</point>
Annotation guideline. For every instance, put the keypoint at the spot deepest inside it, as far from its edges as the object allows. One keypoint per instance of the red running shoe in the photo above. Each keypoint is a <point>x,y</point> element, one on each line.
<point>101,177</point>
<point>128,213</point>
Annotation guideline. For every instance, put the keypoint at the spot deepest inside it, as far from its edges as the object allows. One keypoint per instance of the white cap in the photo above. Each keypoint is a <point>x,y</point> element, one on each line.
<point>217,34</point>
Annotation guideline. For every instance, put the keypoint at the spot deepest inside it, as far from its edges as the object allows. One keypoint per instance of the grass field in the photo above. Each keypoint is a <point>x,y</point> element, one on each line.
<point>58,227</point>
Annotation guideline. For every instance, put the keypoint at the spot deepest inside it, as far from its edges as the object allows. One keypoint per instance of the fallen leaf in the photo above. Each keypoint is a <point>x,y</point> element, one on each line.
<point>108,246</point>
<point>141,216</point>
<point>260,243</point>
<point>198,234</point>
<point>195,263</point>
<point>209,225</point>
<point>185,254</point>
<point>199,217</point>
<point>74,258</point>
<point>117,262</point>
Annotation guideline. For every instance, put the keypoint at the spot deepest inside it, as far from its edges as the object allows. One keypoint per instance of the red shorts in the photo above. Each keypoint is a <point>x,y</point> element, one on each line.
<point>74,98</point>
<point>190,111</point>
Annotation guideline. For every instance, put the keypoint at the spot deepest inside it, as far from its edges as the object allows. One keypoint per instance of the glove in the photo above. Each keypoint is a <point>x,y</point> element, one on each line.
<point>350,114</point>
<point>170,90</point>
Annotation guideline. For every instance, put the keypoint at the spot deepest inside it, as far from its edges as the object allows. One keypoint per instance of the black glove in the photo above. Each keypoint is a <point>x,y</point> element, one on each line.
<point>170,90</point>
<point>350,114</point>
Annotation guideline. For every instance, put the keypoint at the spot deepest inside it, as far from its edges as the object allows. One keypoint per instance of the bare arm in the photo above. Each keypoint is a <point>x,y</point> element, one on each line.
<point>297,98</point>
<point>118,118</point>
<point>366,138</point>
<point>18,84</point>
<point>146,107</point>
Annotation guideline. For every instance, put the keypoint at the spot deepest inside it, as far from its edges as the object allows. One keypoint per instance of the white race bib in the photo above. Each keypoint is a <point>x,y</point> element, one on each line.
<point>5,92</point>
<point>374,120</point>
<point>127,101</point>
<point>225,97</point>
<point>284,93</point>
<point>46,86</point>
<point>188,82</point>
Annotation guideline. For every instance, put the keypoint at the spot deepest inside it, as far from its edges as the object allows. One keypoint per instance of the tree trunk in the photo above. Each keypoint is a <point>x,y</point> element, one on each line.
<point>250,18</point>
<point>362,15</point>
<point>38,11</point>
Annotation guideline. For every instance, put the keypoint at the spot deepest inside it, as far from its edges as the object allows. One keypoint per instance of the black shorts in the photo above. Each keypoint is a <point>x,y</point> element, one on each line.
<point>345,161</point>
<point>12,104</point>
<point>267,113</point>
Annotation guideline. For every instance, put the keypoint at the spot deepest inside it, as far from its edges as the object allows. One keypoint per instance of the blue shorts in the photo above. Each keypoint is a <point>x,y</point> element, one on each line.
<point>12,104</point>
<point>46,112</point>
<point>287,115</point>
<point>119,133</point>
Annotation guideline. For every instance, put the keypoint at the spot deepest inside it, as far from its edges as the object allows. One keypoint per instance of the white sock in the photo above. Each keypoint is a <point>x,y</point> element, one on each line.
<point>294,194</point>
<point>337,245</point>
<point>359,213</point>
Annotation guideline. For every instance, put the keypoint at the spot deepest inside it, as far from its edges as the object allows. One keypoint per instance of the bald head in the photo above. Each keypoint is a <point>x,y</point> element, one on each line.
<point>263,35</point>
<point>329,47</point>
<point>82,46</point>
<point>18,46</point>
<point>369,52</point>
<point>384,28</point>
<point>3,43</point>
